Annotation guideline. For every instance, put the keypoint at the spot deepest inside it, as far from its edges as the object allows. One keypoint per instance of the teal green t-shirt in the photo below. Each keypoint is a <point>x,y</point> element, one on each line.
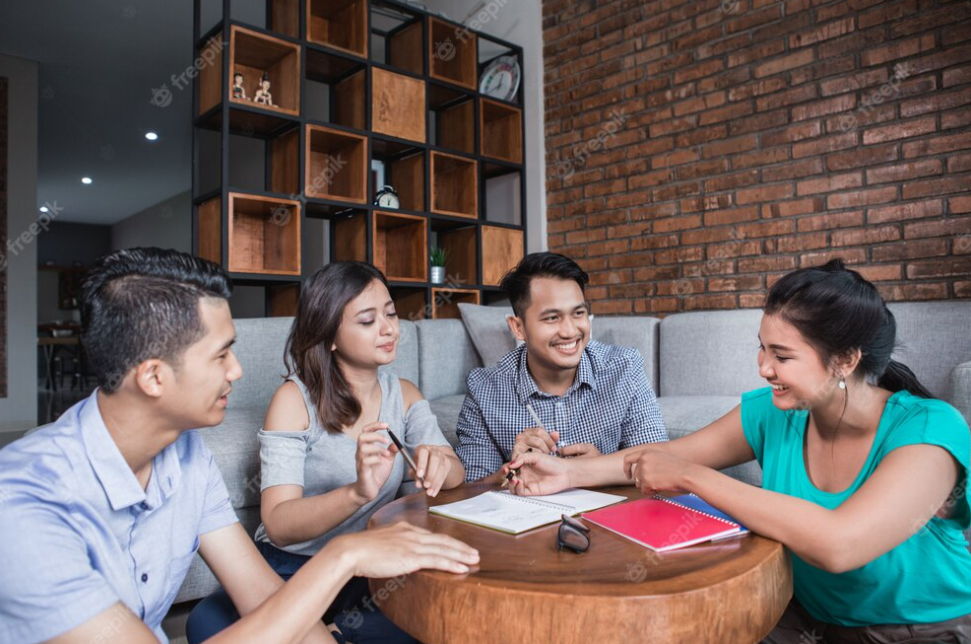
<point>925,579</point>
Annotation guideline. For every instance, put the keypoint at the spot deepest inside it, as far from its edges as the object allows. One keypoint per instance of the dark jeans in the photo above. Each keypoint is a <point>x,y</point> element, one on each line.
<point>353,610</point>
<point>799,627</point>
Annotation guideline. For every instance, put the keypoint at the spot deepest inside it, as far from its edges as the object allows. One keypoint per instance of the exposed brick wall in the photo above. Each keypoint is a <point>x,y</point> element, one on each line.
<point>697,150</point>
<point>4,107</point>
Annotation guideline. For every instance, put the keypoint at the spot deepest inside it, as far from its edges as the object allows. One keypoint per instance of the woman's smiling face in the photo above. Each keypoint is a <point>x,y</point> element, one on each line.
<point>794,368</point>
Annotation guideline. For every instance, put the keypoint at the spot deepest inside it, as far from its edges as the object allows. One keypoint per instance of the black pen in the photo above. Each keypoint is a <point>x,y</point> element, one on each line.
<point>408,459</point>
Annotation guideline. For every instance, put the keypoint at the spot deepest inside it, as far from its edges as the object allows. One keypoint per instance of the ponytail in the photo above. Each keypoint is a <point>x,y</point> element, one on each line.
<point>899,377</point>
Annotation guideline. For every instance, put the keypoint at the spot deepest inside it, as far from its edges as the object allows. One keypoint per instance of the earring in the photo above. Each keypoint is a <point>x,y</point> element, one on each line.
<point>842,382</point>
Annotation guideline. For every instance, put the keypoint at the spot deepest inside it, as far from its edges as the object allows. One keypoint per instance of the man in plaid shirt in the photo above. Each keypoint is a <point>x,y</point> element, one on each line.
<point>592,398</point>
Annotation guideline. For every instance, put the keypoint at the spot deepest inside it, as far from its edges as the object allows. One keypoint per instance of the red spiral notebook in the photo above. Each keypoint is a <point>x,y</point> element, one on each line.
<point>662,525</point>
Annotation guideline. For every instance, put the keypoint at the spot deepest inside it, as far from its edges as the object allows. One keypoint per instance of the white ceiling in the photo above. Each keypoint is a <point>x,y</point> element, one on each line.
<point>99,64</point>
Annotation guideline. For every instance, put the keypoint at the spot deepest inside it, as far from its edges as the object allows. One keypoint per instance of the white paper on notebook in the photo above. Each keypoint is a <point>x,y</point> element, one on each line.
<point>506,512</point>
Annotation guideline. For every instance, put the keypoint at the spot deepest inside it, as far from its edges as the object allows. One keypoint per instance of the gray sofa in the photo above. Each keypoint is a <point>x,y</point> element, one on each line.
<point>700,364</point>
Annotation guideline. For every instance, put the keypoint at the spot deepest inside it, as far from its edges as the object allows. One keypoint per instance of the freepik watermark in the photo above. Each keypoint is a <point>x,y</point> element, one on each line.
<point>162,96</point>
<point>445,50</point>
<point>566,168</point>
<point>850,121</point>
<point>16,245</point>
<point>281,214</point>
<point>354,618</point>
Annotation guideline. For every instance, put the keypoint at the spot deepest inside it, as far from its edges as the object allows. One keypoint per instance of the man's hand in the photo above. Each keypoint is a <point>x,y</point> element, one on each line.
<point>374,462</point>
<point>434,464</point>
<point>580,450</point>
<point>536,439</point>
<point>538,474</point>
<point>655,470</point>
<point>402,548</point>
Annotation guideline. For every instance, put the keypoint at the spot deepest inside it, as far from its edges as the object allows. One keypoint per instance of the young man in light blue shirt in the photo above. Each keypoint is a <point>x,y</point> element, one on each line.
<point>102,511</point>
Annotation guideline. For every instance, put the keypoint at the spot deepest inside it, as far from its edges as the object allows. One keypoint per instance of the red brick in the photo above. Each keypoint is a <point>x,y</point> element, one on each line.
<point>751,300</point>
<point>731,216</point>
<point>730,146</point>
<point>628,230</point>
<point>881,272</point>
<point>739,283</point>
<point>830,221</point>
<point>831,183</point>
<point>672,224</point>
<point>584,236</point>
<point>796,243</point>
<point>760,52</point>
<point>900,212</point>
<point>909,250</point>
<point>896,131</point>
<point>792,134</point>
<point>804,168</point>
<point>951,267</point>
<point>913,292</point>
<point>709,302</point>
<point>841,103</point>
<point>865,236</point>
<point>857,81</point>
<point>962,289</point>
<point>898,49</point>
<point>959,204</point>
<point>934,187</point>
<point>653,242</point>
<point>936,103</point>
<point>862,157</point>
<point>760,158</point>
<point>766,264</point>
<point>886,12</point>
<point>824,145</point>
<point>957,76</point>
<point>848,255</point>
<point>763,193</point>
<point>938,228</point>
<point>612,307</point>
<point>782,99</point>
<point>785,63</point>
<point>825,32</point>
<point>959,163</point>
<point>770,228</point>
<point>904,171</point>
<point>937,145</point>
<point>861,198</point>
<point>790,208</point>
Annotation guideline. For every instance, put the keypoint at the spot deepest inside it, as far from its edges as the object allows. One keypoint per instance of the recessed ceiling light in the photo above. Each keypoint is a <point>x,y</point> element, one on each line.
<point>86,180</point>
<point>44,209</point>
<point>151,136</point>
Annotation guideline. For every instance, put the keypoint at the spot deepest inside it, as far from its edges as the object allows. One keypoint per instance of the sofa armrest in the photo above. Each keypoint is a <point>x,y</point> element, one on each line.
<point>960,389</point>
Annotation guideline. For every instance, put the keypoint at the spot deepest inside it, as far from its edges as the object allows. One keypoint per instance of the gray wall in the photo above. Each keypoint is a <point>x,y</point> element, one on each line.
<point>165,225</point>
<point>19,410</point>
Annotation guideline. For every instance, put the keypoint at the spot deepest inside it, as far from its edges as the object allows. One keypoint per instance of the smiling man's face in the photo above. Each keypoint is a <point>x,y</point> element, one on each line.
<point>556,324</point>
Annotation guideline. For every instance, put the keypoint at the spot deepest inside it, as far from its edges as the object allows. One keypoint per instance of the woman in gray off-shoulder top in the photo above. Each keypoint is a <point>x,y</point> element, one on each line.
<point>327,463</point>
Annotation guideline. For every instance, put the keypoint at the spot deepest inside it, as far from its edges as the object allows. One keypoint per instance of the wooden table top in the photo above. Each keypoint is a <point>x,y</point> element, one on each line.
<point>523,588</point>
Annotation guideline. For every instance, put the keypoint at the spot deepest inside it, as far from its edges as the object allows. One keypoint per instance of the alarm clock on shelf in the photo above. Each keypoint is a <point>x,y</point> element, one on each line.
<point>387,198</point>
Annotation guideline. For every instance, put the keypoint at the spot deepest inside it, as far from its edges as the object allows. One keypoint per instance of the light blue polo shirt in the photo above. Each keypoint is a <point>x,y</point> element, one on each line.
<point>78,533</point>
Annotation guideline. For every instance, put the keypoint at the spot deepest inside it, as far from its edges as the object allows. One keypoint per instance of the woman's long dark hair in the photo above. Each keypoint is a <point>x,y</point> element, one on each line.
<point>308,355</point>
<point>838,311</point>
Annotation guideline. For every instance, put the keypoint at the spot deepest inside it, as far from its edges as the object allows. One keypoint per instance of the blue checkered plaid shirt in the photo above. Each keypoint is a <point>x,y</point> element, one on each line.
<point>610,404</point>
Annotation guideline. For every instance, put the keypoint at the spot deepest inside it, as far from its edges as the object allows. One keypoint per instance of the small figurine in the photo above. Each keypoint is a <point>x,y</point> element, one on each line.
<point>263,95</point>
<point>239,92</point>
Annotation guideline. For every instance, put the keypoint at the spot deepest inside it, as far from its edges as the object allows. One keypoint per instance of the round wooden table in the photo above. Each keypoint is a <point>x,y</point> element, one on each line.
<point>524,590</point>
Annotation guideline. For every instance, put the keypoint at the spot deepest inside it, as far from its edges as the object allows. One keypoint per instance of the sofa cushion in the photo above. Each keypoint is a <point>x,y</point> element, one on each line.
<point>636,332</point>
<point>932,339</point>
<point>684,415</point>
<point>236,450</point>
<point>489,330</point>
<point>710,353</point>
<point>447,410</point>
<point>959,393</point>
<point>447,355</point>
<point>260,343</point>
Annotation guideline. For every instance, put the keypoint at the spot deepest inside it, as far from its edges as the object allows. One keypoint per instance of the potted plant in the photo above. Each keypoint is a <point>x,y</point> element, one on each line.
<point>438,258</point>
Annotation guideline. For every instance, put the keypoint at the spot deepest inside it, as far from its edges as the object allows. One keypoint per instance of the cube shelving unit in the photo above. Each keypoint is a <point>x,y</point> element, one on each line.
<point>354,82</point>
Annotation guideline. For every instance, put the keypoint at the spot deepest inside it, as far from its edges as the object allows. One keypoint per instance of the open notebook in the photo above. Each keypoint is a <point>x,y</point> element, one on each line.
<point>506,512</point>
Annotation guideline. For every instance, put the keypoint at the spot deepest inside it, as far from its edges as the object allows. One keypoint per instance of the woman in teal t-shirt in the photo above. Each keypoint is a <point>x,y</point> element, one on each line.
<point>863,471</point>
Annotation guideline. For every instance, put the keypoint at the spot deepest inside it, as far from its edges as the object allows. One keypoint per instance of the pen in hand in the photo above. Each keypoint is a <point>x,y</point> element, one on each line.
<point>539,423</point>
<point>408,458</point>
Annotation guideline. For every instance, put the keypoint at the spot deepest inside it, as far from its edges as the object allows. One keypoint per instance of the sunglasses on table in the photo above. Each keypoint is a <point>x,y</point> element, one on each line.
<point>572,535</point>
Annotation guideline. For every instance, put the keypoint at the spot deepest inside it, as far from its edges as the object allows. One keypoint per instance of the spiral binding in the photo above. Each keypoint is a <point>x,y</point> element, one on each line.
<point>704,514</point>
<point>546,504</point>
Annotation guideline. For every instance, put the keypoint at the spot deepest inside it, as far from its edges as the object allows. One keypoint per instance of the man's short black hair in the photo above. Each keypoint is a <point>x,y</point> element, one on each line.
<point>516,282</point>
<point>143,303</point>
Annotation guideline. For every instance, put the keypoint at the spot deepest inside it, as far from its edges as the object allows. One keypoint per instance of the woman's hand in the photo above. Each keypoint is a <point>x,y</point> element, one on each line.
<point>537,474</point>
<point>654,470</point>
<point>374,460</point>
<point>434,463</point>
